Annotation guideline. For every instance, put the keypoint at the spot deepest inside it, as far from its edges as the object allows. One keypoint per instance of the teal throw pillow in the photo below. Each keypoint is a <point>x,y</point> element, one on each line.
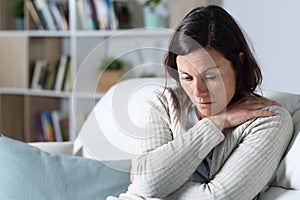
<point>26,172</point>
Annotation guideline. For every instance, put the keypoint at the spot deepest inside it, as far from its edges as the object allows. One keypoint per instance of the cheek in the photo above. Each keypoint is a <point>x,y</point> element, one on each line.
<point>186,88</point>
<point>221,90</point>
<point>230,89</point>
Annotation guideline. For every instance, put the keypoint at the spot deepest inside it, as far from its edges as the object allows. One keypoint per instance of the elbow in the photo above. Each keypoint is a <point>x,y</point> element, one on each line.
<point>147,188</point>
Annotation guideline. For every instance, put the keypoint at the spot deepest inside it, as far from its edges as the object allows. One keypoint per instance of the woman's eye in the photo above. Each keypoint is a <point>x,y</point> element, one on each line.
<point>186,78</point>
<point>210,77</point>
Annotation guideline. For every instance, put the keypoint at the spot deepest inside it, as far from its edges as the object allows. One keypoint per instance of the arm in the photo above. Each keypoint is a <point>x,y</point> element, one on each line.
<point>250,166</point>
<point>167,162</point>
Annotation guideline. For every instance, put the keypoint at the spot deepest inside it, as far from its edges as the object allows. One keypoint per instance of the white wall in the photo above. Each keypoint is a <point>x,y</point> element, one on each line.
<point>273,26</point>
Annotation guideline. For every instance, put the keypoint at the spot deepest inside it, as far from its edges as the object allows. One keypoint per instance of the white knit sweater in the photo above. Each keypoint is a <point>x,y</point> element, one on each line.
<point>244,158</point>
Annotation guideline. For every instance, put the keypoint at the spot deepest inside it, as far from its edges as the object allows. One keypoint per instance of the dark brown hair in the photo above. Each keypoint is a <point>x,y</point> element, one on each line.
<point>212,27</point>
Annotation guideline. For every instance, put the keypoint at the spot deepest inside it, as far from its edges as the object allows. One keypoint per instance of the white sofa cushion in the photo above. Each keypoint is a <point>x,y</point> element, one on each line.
<point>55,147</point>
<point>107,133</point>
<point>277,193</point>
<point>288,100</point>
<point>288,172</point>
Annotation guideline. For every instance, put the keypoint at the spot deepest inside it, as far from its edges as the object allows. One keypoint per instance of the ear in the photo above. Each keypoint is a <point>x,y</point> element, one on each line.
<point>241,57</point>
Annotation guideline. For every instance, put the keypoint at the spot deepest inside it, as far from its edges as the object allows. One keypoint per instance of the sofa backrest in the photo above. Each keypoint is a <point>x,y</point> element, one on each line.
<point>106,134</point>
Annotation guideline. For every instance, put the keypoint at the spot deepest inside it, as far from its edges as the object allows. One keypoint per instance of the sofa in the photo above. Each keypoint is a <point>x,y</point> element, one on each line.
<point>97,162</point>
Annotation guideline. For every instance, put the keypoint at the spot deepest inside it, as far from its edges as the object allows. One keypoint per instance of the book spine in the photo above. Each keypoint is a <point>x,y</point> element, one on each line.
<point>61,72</point>
<point>64,123</point>
<point>39,127</point>
<point>64,16</point>
<point>43,75</point>
<point>43,7</point>
<point>51,75</point>
<point>47,126</point>
<point>102,14</point>
<point>111,15</point>
<point>88,15</point>
<point>81,14</point>
<point>36,74</point>
<point>55,15</point>
<point>34,15</point>
<point>67,83</point>
<point>56,125</point>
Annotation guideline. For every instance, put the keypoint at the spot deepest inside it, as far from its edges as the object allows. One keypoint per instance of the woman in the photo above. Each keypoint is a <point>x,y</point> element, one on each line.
<point>212,136</point>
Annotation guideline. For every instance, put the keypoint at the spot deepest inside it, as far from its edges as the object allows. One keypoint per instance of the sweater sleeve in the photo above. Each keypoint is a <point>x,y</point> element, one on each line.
<point>250,166</point>
<point>167,162</point>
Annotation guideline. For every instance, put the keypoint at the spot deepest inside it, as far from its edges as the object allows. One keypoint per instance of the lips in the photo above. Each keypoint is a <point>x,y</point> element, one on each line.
<point>204,104</point>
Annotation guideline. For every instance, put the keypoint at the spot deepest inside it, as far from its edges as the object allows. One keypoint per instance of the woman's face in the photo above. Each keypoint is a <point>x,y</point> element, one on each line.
<point>209,80</point>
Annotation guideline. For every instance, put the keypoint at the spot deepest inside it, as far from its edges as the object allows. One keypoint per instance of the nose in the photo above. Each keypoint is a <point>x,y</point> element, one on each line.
<point>200,88</point>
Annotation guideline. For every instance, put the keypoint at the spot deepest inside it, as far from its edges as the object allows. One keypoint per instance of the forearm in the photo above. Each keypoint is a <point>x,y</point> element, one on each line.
<point>249,167</point>
<point>165,169</point>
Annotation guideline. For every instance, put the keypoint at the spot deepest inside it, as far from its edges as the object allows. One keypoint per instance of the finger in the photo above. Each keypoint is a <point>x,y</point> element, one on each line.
<point>261,113</point>
<point>275,103</point>
<point>272,101</point>
<point>257,103</point>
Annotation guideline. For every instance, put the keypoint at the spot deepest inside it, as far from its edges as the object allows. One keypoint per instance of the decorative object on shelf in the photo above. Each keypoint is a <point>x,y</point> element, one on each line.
<point>111,71</point>
<point>17,11</point>
<point>152,18</point>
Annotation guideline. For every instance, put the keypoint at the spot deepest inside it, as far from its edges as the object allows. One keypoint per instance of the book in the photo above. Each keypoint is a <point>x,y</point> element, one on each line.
<point>81,14</point>
<point>34,15</point>
<point>123,14</point>
<point>39,127</point>
<point>51,75</point>
<point>94,14</point>
<point>102,14</point>
<point>43,8</point>
<point>88,15</point>
<point>63,11</point>
<point>113,24</point>
<point>56,125</point>
<point>64,124</point>
<point>43,75</point>
<point>56,15</point>
<point>41,15</point>
<point>47,125</point>
<point>67,83</point>
<point>62,66</point>
<point>39,64</point>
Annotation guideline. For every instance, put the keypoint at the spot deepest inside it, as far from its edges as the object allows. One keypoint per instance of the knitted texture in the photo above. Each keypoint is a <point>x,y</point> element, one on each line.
<point>244,158</point>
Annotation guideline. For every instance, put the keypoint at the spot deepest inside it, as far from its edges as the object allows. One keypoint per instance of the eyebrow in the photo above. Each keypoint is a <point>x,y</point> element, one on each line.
<point>210,68</point>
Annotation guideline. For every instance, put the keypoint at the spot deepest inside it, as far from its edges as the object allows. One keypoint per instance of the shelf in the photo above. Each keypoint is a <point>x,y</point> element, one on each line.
<point>50,93</point>
<point>35,33</point>
<point>125,33</point>
<point>21,49</point>
<point>35,92</point>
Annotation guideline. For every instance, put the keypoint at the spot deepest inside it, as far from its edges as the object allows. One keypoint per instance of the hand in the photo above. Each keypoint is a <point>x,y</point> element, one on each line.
<point>245,109</point>
<point>131,176</point>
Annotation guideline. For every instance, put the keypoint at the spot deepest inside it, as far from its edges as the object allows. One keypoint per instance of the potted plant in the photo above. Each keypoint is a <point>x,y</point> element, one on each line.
<point>17,11</point>
<point>152,18</point>
<point>111,71</point>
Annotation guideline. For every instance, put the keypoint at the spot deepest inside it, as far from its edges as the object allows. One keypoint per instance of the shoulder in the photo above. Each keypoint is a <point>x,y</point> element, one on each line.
<point>282,114</point>
<point>280,125</point>
<point>171,96</point>
<point>169,103</point>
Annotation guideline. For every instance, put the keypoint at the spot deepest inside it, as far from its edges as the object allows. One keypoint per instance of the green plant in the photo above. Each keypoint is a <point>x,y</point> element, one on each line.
<point>17,9</point>
<point>152,4</point>
<point>110,63</point>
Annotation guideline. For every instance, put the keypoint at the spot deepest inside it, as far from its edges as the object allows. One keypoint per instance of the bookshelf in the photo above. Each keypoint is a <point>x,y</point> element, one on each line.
<point>20,50</point>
